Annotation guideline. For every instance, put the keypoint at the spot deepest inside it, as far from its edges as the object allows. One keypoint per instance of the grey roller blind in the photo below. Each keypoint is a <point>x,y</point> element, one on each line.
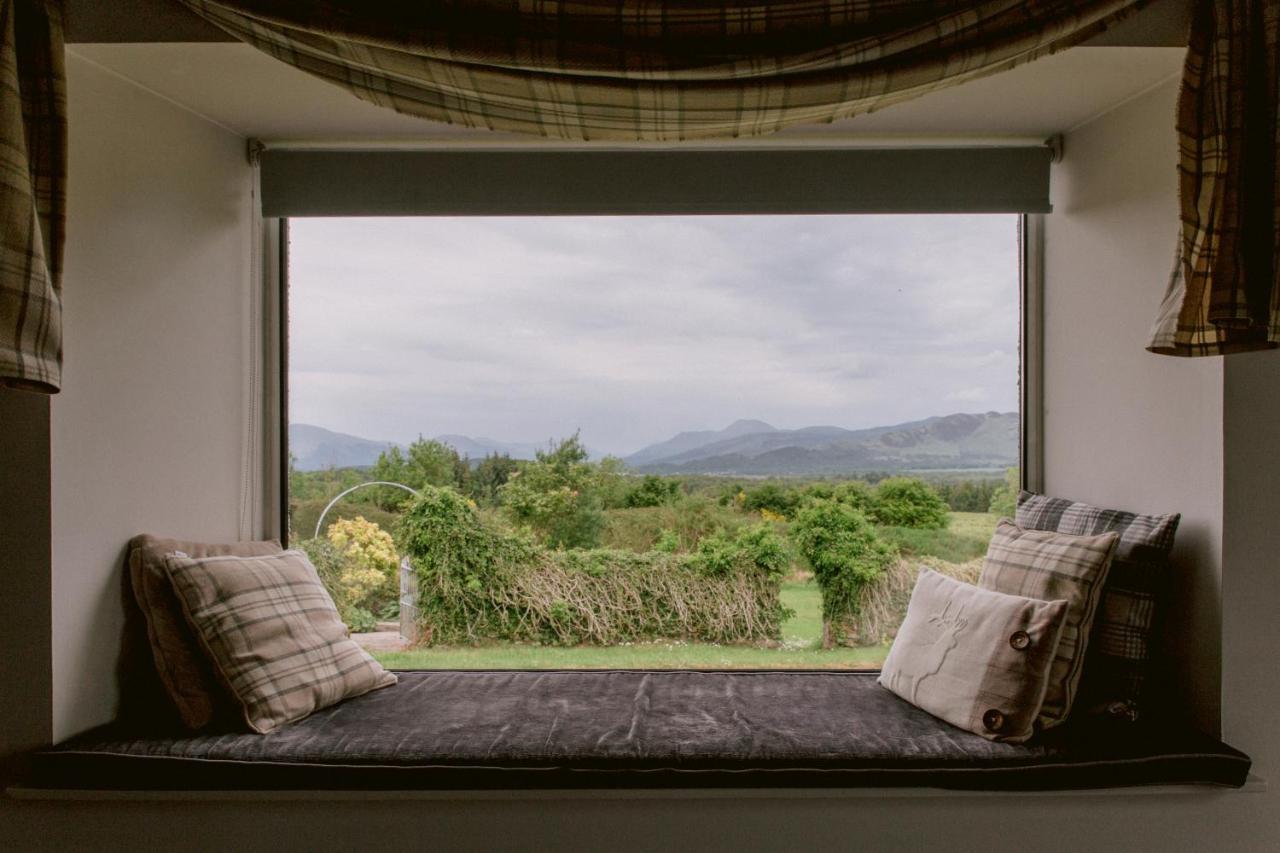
<point>532,182</point>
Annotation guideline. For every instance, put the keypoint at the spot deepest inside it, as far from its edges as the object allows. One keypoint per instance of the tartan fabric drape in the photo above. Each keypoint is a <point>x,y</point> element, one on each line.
<point>33,168</point>
<point>674,70</point>
<point>1223,295</point>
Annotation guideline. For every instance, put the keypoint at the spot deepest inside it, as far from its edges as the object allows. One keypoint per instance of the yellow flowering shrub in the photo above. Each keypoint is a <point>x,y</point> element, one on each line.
<point>370,564</point>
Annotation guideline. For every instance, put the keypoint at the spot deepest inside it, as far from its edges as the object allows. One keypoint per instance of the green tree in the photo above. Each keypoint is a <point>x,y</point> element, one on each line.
<point>427,463</point>
<point>554,495</point>
<point>845,554</point>
<point>908,502</point>
<point>611,482</point>
<point>968,495</point>
<point>488,476</point>
<point>1005,500</point>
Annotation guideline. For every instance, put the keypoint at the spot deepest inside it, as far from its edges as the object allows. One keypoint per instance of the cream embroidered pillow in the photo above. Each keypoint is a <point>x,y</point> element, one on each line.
<point>973,657</point>
<point>1053,566</point>
<point>273,635</point>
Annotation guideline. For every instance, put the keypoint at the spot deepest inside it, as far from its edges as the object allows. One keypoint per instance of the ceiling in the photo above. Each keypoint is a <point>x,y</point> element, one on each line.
<point>256,96</point>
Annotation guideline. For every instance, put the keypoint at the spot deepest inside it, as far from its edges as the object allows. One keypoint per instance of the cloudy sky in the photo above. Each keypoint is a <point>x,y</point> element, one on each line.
<point>635,328</point>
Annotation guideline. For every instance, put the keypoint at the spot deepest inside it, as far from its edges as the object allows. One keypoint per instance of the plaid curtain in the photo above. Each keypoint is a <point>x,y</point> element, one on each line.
<point>1223,295</point>
<point>674,70</point>
<point>33,169</point>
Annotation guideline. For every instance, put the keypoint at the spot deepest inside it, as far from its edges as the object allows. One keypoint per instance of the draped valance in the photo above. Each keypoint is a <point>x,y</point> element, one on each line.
<point>663,71</point>
<point>1223,294</point>
<point>688,69</point>
<point>33,168</point>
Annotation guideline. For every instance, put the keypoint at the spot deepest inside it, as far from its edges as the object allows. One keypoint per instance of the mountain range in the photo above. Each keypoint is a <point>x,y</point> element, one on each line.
<point>315,448</point>
<point>745,447</point>
<point>754,448</point>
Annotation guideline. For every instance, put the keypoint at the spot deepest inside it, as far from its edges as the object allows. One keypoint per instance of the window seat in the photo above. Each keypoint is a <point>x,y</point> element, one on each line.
<point>637,729</point>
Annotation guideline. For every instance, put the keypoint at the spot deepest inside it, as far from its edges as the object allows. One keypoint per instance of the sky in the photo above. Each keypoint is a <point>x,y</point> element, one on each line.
<point>632,329</point>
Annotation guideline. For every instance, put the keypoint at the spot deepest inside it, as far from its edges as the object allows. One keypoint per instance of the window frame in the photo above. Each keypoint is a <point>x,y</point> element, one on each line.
<point>1030,235</point>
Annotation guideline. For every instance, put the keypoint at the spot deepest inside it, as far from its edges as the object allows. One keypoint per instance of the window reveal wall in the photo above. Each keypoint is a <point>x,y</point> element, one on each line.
<point>147,432</point>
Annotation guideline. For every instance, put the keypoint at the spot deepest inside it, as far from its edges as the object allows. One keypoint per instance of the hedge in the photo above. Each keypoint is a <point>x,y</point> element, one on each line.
<point>479,583</point>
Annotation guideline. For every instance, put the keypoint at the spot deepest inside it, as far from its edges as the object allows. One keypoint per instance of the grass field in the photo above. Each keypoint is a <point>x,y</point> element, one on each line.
<point>963,540</point>
<point>800,649</point>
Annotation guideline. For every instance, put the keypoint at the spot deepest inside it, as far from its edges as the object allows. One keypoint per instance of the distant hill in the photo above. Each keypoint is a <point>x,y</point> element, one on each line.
<point>478,448</point>
<point>745,447</point>
<point>689,442</point>
<point>987,440</point>
<point>316,448</point>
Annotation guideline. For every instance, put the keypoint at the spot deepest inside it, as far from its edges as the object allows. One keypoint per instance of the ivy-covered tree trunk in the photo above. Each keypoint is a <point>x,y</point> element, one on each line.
<point>826,634</point>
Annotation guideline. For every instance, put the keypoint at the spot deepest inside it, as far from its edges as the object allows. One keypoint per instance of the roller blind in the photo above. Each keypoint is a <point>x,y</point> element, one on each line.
<point>297,182</point>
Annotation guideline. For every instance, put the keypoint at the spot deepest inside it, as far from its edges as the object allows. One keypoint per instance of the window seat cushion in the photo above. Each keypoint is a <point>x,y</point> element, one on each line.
<point>556,729</point>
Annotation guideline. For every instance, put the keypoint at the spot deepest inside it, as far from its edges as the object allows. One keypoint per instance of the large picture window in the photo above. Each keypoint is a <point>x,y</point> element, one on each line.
<point>648,441</point>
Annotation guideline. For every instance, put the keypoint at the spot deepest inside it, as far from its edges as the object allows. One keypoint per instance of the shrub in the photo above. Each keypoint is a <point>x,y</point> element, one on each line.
<point>653,491</point>
<point>668,542</point>
<point>842,548</point>
<point>772,497</point>
<point>370,570</point>
<point>476,582</point>
<point>907,502</point>
<point>330,566</point>
<point>689,519</point>
<point>360,621</point>
<point>856,494</point>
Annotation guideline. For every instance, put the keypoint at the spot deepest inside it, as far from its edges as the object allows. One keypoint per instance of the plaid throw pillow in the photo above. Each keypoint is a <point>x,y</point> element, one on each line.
<point>180,663</point>
<point>1119,652</point>
<point>1053,567</point>
<point>976,658</point>
<point>273,635</point>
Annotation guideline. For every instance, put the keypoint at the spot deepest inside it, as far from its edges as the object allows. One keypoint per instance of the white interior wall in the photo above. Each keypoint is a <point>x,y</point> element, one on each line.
<point>1124,428</point>
<point>146,434</point>
<point>1251,567</point>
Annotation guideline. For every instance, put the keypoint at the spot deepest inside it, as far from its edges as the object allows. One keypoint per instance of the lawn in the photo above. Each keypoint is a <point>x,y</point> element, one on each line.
<point>963,540</point>
<point>800,649</point>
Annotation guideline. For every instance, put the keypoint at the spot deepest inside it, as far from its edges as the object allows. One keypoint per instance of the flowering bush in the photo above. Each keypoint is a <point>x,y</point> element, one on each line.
<point>369,571</point>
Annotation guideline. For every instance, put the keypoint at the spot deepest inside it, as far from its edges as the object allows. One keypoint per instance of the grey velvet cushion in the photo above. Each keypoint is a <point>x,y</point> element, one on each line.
<point>1116,672</point>
<point>187,676</point>
<point>1053,567</point>
<point>976,658</point>
<point>452,730</point>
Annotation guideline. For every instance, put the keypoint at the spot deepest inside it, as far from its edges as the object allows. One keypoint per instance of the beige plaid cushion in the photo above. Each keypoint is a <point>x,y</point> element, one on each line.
<point>273,635</point>
<point>1053,567</point>
<point>976,658</point>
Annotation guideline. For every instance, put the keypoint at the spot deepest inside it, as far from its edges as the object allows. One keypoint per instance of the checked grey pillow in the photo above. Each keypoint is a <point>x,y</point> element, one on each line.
<point>273,635</point>
<point>1120,650</point>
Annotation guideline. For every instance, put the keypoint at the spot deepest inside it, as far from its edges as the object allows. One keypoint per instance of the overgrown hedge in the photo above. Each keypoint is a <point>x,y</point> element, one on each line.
<point>882,604</point>
<point>477,582</point>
